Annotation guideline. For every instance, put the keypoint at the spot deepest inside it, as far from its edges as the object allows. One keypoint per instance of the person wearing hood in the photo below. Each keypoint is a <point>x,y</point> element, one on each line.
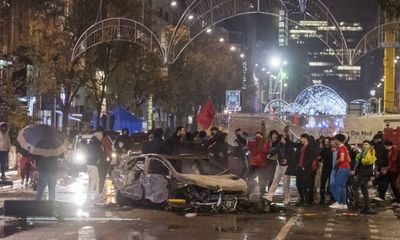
<point>363,173</point>
<point>258,161</point>
<point>95,157</point>
<point>5,145</point>
<point>123,143</point>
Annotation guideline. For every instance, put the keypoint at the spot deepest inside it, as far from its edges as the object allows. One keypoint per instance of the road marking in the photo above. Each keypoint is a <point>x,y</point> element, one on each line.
<point>328,229</point>
<point>373,226</point>
<point>286,228</point>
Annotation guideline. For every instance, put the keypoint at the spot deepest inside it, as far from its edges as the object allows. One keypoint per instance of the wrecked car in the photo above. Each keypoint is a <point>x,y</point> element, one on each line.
<point>186,182</point>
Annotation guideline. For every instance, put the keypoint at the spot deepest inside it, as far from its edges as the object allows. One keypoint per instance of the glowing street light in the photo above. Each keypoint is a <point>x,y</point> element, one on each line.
<point>285,84</point>
<point>263,69</point>
<point>242,55</point>
<point>190,17</point>
<point>233,48</point>
<point>221,40</point>
<point>372,92</point>
<point>174,3</point>
<point>276,62</point>
<point>208,30</point>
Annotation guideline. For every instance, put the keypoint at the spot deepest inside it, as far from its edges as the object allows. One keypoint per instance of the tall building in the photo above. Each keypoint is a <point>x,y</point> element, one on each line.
<point>323,63</point>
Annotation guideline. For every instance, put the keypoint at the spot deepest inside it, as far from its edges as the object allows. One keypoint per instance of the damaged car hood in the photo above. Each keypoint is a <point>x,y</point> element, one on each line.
<point>228,182</point>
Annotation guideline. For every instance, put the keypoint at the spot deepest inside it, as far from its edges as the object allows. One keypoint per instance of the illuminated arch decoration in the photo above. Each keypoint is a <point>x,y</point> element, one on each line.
<point>320,100</point>
<point>375,39</point>
<point>118,29</point>
<point>277,106</point>
<point>202,15</point>
<point>364,103</point>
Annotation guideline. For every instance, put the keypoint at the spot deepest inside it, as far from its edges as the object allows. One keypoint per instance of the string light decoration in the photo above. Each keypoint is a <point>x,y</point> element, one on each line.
<point>315,100</point>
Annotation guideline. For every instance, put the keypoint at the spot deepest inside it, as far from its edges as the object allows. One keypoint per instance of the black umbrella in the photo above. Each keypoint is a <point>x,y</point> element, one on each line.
<point>43,140</point>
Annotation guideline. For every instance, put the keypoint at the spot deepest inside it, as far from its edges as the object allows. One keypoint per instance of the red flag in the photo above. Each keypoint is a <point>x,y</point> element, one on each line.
<point>296,119</point>
<point>206,114</point>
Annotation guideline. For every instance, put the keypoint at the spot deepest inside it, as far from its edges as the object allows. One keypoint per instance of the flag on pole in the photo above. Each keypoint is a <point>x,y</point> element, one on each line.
<point>206,114</point>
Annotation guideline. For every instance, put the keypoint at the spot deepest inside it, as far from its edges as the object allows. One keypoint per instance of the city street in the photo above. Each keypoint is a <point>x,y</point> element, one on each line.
<point>146,224</point>
<point>200,119</point>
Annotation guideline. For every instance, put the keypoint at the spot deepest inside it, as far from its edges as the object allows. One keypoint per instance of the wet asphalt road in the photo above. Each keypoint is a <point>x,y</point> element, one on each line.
<point>145,224</point>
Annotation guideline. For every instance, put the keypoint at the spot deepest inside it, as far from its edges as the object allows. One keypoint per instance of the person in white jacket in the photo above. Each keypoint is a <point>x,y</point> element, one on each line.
<point>5,145</point>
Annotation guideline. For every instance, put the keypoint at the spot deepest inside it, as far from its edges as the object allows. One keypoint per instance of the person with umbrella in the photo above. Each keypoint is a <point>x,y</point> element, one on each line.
<point>46,144</point>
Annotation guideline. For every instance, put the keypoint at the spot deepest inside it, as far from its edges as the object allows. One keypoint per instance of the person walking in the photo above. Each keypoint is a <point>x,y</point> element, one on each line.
<point>326,158</point>
<point>104,166</point>
<point>95,157</point>
<point>26,168</point>
<point>307,153</point>
<point>363,173</point>
<point>285,154</point>
<point>48,170</point>
<point>342,173</point>
<point>391,172</point>
<point>5,145</point>
<point>258,161</point>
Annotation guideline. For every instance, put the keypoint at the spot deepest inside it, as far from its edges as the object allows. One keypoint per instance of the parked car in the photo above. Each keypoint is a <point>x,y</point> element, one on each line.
<point>195,186</point>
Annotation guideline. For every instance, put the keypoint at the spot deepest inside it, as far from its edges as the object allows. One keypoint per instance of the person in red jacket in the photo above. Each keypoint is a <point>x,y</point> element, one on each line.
<point>258,161</point>
<point>391,172</point>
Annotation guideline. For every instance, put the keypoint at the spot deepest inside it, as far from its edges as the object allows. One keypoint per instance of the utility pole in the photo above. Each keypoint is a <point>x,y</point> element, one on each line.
<point>389,8</point>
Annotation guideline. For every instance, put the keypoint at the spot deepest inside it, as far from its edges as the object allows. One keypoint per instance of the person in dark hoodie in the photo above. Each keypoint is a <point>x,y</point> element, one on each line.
<point>307,153</point>
<point>177,143</point>
<point>363,173</point>
<point>123,143</point>
<point>381,163</point>
<point>326,157</point>
<point>157,144</point>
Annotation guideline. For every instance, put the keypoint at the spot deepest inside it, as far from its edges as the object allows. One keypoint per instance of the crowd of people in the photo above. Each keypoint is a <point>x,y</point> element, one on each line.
<point>327,170</point>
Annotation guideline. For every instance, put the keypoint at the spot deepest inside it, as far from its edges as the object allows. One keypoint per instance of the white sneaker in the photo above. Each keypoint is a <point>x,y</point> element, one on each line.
<point>335,205</point>
<point>343,206</point>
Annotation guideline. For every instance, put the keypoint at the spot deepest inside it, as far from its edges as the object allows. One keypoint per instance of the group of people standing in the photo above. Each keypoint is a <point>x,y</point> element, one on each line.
<point>327,164</point>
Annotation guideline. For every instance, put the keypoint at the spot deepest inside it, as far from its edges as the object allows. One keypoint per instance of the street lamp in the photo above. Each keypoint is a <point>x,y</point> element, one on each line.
<point>174,3</point>
<point>208,30</point>
<point>233,48</point>
<point>190,17</point>
<point>242,55</point>
<point>276,62</point>
<point>221,40</point>
<point>372,92</point>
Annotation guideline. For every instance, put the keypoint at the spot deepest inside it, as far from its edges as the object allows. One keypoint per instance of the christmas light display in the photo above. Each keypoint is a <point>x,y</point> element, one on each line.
<point>315,100</point>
